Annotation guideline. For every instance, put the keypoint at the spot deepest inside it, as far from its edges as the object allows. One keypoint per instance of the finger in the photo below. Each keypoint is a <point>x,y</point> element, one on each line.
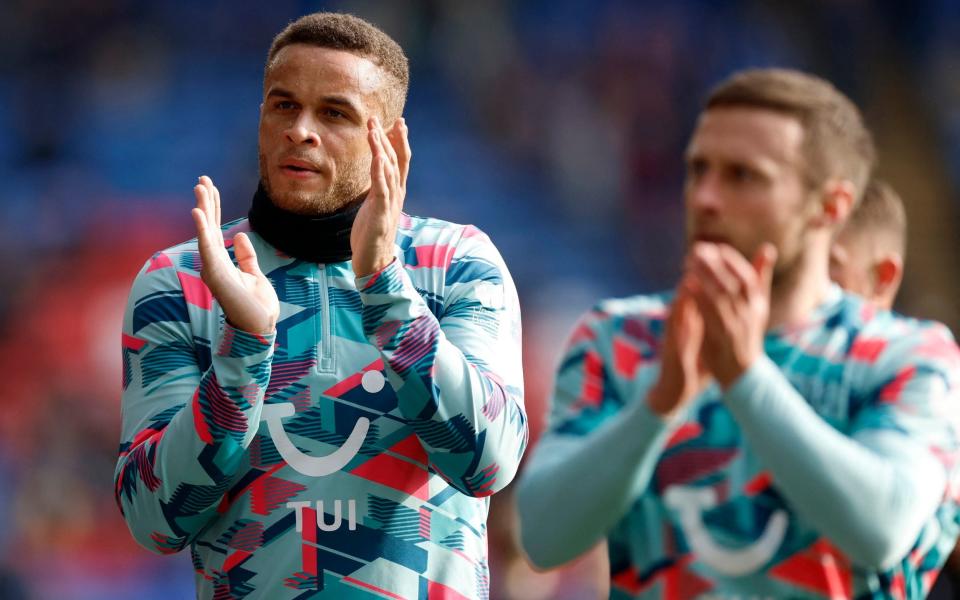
<point>200,193</point>
<point>763,262</point>
<point>373,138</point>
<point>245,254</point>
<point>711,285</point>
<point>701,263</point>
<point>209,236</point>
<point>398,136</point>
<point>213,195</point>
<point>716,310</point>
<point>379,182</point>
<point>203,197</point>
<point>200,217</point>
<point>689,323</point>
<point>216,203</point>
<point>710,269</point>
<point>207,201</point>
<point>200,220</point>
<point>387,147</point>
<point>204,245</point>
<point>738,268</point>
<point>392,170</point>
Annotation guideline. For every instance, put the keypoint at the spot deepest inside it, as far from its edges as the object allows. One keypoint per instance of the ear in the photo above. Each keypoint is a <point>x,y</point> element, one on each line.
<point>888,273</point>
<point>836,203</point>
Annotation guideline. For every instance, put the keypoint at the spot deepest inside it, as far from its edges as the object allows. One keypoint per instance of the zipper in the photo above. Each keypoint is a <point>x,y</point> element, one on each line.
<point>325,362</point>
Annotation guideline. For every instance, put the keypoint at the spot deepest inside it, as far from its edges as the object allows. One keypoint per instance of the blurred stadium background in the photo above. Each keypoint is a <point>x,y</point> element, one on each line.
<point>557,126</point>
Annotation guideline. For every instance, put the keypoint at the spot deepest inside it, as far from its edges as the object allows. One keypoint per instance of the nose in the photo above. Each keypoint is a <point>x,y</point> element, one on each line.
<point>703,193</point>
<point>303,130</point>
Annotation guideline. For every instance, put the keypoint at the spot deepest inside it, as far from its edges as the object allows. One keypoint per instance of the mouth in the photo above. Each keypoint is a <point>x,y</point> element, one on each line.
<point>712,238</point>
<point>299,169</point>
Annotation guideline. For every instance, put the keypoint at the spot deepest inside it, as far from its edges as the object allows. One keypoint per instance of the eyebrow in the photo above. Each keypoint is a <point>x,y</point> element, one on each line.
<point>282,93</point>
<point>342,101</point>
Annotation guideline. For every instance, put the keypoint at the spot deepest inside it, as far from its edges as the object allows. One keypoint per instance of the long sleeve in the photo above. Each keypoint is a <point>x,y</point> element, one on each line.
<point>872,490</point>
<point>595,461</point>
<point>574,490</point>
<point>458,378</point>
<point>190,406</point>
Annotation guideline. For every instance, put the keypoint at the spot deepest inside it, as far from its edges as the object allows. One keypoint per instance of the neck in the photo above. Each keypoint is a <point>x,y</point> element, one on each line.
<point>798,292</point>
<point>321,239</point>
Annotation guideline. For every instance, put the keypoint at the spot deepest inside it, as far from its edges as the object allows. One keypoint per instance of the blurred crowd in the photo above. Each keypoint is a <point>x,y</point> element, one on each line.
<point>557,126</point>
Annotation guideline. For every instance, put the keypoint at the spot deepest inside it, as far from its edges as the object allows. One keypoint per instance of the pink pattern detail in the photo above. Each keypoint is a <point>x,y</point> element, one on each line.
<point>758,484</point>
<point>591,393</point>
<point>373,280</point>
<point>132,343</point>
<point>937,345</point>
<point>344,386</point>
<point>269,493</point>
<point>248,538</point>
<point>626,358</point>
<point>139,456</point>
<point>434,256</point>
<point>236,559</point>
<point>283,374</point>
<point>368,586</point>
<point>159,261</point>
<point>687,431</point>
<point>495,403</point>
<point>868,350</point>
<point>199,421</point>
<point>417,342</point>
<point>893,390</point>
<point>385,332</point>
<point>690,465</point>
<point>229,333</point>
<point>195,291</point>
<point>582,333</point>
<point>438,591</point>
<point>424,523</point>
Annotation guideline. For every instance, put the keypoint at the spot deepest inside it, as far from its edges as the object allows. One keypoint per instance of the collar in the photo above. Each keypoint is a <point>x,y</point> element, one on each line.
<point>321,239</point>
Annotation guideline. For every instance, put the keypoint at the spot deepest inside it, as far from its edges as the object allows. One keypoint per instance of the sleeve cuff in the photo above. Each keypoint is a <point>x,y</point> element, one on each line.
<point>386,280</point>
<point>237,343</point>
<point>761,375</point>
<point>647,426</point>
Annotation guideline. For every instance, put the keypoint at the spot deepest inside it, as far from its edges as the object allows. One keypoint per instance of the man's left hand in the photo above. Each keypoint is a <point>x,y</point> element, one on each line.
<point>375,228</point>
<point>733,297</point>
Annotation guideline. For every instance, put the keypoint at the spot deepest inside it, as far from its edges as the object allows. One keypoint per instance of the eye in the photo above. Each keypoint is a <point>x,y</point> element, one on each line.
<point>334,113</point>
<point>742,174</point>
<point>696,168</point>
<point>284,105</point>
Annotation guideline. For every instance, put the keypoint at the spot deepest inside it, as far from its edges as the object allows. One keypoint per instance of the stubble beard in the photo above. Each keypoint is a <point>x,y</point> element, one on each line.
<point>790,261</point>
<point>351,184</point>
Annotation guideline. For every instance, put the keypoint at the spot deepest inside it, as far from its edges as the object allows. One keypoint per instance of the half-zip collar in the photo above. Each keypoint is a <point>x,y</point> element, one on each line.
<point>322,239</point>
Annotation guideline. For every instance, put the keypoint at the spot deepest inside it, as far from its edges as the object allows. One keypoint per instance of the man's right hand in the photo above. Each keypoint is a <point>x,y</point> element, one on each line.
<point>682,375</point>
<point>246,296</point>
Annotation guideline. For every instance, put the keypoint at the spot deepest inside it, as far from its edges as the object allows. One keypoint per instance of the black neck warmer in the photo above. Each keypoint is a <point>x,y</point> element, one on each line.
<point>323,239</point>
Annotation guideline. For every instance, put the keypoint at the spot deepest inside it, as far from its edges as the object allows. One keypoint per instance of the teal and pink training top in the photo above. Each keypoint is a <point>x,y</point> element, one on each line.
<point>828,470</point>
<point>349,455</point>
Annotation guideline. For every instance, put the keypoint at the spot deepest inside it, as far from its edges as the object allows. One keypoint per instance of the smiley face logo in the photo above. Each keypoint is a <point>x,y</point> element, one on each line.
<point>691,502</point>
<point>312,466</point>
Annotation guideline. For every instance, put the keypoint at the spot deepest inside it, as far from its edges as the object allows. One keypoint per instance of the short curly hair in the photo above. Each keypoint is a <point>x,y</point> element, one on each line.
<point>339,31</point>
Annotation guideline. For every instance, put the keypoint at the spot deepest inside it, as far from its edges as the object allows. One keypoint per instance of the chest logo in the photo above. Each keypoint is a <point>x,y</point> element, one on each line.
<point>311,466</point>
<point>691,502</point>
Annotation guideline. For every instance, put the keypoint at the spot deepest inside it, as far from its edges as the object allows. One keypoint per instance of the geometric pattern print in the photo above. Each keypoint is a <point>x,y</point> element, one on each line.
<point>198,395</point>
<point>872,360</point>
